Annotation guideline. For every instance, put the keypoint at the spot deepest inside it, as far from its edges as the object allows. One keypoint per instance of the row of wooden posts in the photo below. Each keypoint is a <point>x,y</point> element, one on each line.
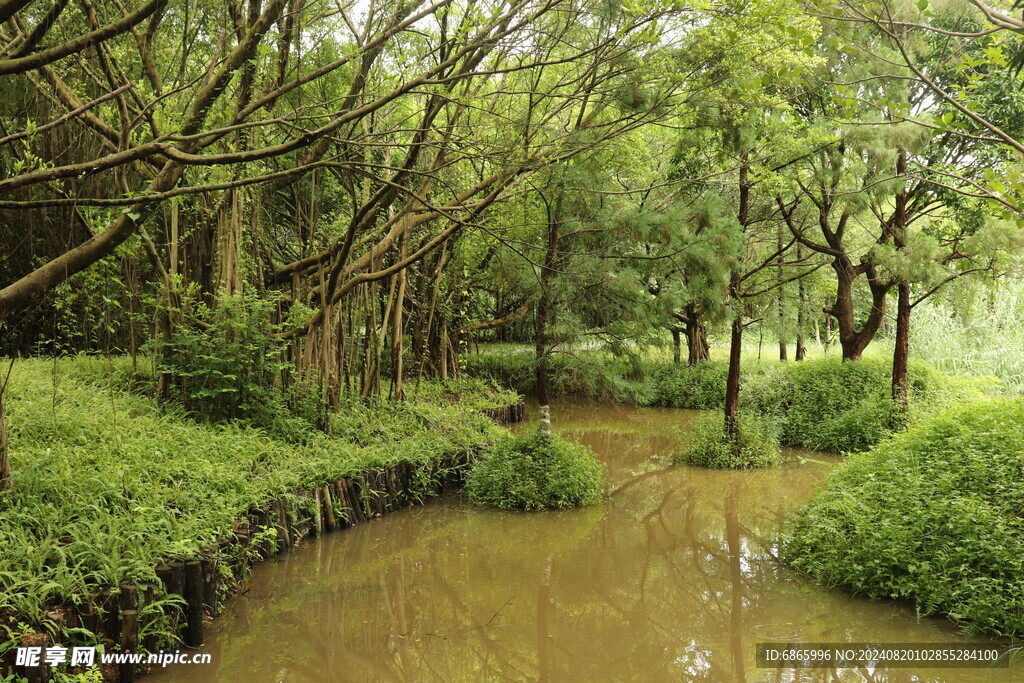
<point>508,414</point>
<point>266,530</point>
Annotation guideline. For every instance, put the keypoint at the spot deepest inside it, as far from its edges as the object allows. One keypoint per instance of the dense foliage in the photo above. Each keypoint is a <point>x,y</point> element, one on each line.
<point>628,378</point>
<point>535,471</point>
<point>756,445</point>
<point>933,515</point>
<point>224,364</point>
<point>591,374</point>
<point>822,404</point>
<point>113,483</point>
<point>836,406</point>
<point>698,387</point>
<point>283,224</point>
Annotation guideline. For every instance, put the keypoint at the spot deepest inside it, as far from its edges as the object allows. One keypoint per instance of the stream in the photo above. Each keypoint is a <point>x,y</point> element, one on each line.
<point>673,578</point>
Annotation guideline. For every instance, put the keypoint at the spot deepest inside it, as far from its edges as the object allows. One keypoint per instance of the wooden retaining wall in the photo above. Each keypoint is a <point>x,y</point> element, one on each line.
<point>507,415</point>
<point>267,530</point>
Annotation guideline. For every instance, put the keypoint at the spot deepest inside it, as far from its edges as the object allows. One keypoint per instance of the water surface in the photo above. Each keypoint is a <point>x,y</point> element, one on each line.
<point>672,579</point>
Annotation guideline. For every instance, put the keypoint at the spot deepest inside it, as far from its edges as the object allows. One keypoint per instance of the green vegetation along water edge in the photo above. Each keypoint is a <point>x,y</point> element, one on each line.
<point>114,484</point>
<point>820,404</point>
<point>248,248</point>
<point>933,515</point>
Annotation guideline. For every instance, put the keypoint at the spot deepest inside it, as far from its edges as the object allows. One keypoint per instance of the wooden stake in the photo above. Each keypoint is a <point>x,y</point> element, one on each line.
<point>129,642</point>
<point>330,523</point>
<point>193,603</point>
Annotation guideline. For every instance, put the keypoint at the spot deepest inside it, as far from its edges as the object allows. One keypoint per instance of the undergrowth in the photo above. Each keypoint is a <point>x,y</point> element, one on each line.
<point>934,515</point>
<point>468,392</point>
<point>108,483</point>
<point>535,471</point>
<point>756,445</point>
<point>823,404</point>
<point>842,407</point>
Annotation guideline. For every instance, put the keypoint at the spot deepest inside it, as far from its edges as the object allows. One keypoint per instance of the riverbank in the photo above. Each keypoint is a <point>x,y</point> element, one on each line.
<point>119,501</point>
<point>927,508</point>
<point>673,578</point>
<point>933,516</point>
<point>820,404</point>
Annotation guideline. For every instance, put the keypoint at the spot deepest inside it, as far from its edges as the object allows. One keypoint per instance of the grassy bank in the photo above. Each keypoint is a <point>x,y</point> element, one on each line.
<point>933,515</point>
<point>829,405</point>
<point>110,483</point>
<point>820,404</point>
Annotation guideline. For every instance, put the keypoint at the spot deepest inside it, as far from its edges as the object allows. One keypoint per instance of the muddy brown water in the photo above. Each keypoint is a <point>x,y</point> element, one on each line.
<point>673,578</point>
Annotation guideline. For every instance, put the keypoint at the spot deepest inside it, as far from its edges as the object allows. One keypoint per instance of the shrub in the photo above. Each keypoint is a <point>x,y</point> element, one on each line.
<point>827,404</point>
<point>756,446</point>
<point>698,387</point>
<point>830,405</point>
<point>933,515</point>
<point>535,471</point>
<point>227,363</point>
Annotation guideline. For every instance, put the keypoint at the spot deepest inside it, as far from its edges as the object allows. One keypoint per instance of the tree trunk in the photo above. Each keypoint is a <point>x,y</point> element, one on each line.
<point>783,353</point>
<point>541,350</point>
<point>696,337</point>
<point>801,347</point>
<point>6,481</point>
<point>677,351</point>
<point>444,353</point>
<point>900,380</point>
<point>852,340</point>
<point>732,385</point>
<point>544,317</point>
<point>397,328</point>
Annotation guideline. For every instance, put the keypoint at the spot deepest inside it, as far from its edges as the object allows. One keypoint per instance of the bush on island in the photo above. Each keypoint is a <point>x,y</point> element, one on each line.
<point>535,471</point>
<point>756,445</point>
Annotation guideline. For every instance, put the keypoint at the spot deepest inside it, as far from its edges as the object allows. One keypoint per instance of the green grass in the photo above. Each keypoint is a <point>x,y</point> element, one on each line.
<point>467,392</point>
<point>757,444</point>
<point>934,515</point>
<point>109,483</point>
<point>820,404</point>
<point>535,471</point>
<point>976,332</point>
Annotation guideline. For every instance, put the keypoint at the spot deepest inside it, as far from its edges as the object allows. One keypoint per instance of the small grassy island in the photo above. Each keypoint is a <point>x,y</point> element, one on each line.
<point>535,471</point>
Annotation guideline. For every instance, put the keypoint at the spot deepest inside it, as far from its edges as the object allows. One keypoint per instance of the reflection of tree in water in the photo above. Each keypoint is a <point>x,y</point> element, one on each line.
<point>673,579</point>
